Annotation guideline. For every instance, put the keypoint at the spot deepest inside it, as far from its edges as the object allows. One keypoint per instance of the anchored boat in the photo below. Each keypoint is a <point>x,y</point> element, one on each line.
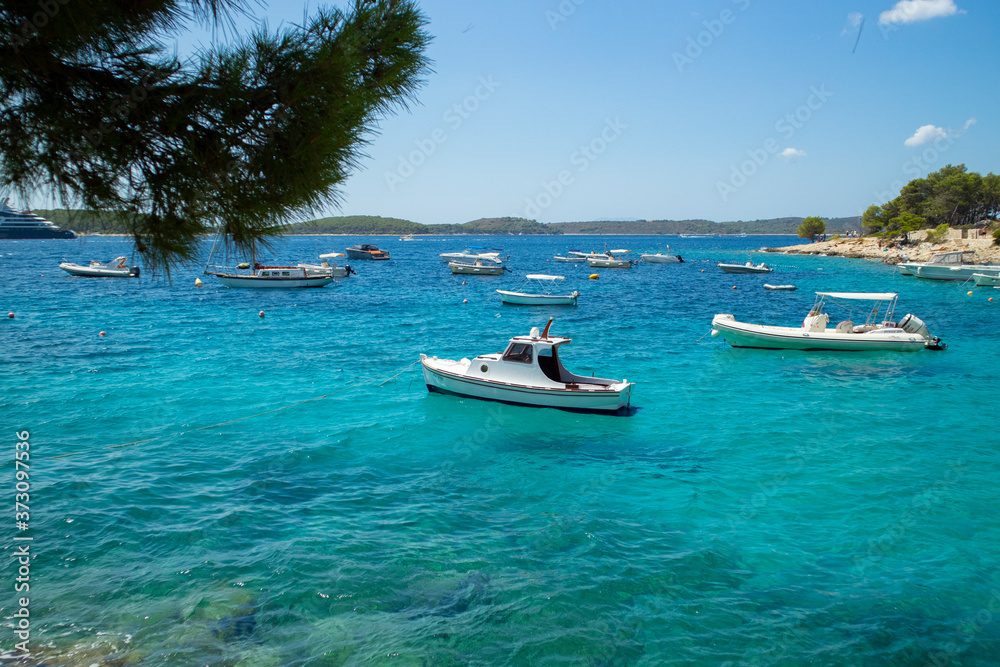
<point>879,331</point>
<point>543,297</point>
<point>955,265</point>
<point>749,267</point>
<point>366,251</point>
<point>480,267</point>
<point>529,372</point>
<point>116,268</point>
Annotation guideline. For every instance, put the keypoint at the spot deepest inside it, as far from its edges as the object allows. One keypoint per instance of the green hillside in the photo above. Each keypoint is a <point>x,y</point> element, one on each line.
<point>86,222</point>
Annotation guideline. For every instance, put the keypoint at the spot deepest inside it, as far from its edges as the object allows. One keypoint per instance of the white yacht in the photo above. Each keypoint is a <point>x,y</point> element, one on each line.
<point>23,225</point>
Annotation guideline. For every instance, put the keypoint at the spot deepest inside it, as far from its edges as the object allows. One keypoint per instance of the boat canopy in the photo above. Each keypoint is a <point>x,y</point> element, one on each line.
<point>620,251</point>
<point>860,296</point>
<point>542,276</point>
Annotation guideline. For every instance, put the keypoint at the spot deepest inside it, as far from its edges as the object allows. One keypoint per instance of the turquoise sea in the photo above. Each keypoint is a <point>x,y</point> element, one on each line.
<point>212,487</point>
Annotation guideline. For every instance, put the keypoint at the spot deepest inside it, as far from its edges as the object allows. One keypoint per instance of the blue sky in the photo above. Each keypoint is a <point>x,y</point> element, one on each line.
<point>563,110</point>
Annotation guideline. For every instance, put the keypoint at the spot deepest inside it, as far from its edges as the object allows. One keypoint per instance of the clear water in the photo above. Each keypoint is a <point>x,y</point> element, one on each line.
<point>761,507</point>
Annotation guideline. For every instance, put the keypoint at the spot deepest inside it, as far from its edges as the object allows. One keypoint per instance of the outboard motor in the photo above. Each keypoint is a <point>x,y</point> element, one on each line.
<point>134,272</point>
<point>914,325</point>
<point>680,259</point>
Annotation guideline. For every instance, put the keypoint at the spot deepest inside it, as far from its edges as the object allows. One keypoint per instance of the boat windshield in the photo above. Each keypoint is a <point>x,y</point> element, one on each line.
<point>519,352</point>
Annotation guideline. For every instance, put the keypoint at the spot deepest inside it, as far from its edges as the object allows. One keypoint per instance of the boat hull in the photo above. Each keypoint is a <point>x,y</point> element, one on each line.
<point>984,280</point>
<point>742,268</point>
<point>569,260</point>
<point>609,263</point>
<point>97,272</point>
<point>257,282</point>
<point>14,233</point>
<point>661,259</point>
<point>605,401</point>
<point>365,254</point>
<point>472,269</point>
<point>524,299</point>
<point>760,336</point>
<point>944,272</point>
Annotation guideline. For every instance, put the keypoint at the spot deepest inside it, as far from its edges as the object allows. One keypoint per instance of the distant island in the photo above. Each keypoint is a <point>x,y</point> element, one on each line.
<point>84,222</point>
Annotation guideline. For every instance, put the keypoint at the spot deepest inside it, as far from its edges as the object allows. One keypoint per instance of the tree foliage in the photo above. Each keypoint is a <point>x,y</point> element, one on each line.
<point>951,196</point>
<point>811,227</point>
<point>244,137</point>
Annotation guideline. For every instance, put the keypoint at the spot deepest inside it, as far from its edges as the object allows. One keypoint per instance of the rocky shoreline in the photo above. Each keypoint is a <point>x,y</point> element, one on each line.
<point>892,253</point>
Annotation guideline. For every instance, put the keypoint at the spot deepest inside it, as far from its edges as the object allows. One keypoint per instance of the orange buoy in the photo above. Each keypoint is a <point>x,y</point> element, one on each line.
<point>969,293</point>
<point>261,313</point>
<point>102,334</point>
<point>11,314</point>
<point>594,276</point>
<point>465,301</point>
<point>734,286</point>
<point>990,299</point>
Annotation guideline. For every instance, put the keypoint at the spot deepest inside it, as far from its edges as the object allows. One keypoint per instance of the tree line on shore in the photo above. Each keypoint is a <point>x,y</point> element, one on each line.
<point>949,197</point>
<point>85,222</point>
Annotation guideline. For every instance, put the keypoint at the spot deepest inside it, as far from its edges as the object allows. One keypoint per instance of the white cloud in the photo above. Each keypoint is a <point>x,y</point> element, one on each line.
<point>925,135</point>
<point>969,123</point>
<point>790,153</point>
<point>912,11</point>
<point>854,20</point>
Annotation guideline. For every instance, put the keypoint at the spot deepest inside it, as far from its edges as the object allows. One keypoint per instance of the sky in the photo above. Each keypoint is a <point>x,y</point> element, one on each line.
<point>567,110</point>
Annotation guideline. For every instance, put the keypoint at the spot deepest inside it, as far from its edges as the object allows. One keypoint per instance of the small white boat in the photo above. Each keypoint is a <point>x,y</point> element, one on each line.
<point>529,372</point>
<point>116,268</point>
<point>780,288</point>
<point>878,332</point>
<point>546,284</point>
<point>955,265</point>
<point>470,254</point>
<point>329,261</point>
<point>749,267</point>
<point>569,260</point>
<point>408,237</point>
<point>610,259</point>
<point>660,258</point>
<point>481,267</point>
<point>986,280</point>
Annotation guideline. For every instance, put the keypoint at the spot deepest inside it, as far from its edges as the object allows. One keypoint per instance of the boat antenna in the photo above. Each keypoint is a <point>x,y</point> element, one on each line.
<point>545,332</point>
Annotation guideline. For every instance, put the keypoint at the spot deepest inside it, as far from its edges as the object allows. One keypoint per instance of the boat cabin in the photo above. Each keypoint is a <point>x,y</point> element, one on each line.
<point>955,258</point>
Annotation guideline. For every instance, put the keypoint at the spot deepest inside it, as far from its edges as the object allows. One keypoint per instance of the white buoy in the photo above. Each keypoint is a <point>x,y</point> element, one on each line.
<point>197,282</point>
<point>261,313</point>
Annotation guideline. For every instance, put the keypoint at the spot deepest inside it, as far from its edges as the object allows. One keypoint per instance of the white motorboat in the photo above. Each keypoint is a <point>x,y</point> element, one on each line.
<point>780,288</point>
<point>408,237</point>
<point>470,254</point>
<point>660,258</point>
<point>955,265</point>
<point>544,297</point>
<point>276,277</point>
<point>878,332</point>
<point>611,259</point>
<point>116,268</point>
<point>328,260</point>
<point>986,280</point>
<point>749,267</point>
<point>529,372</point>
<point>480,267</point>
